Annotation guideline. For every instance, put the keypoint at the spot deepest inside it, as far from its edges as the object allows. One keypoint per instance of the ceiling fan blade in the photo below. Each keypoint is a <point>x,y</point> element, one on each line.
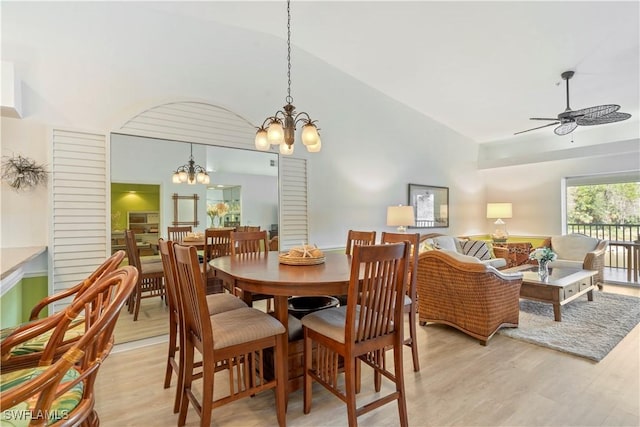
<point>539,127</point>
<point>555,119</point>
<point>565,128</point>
<point>609,118</point>
<point>595,112</point>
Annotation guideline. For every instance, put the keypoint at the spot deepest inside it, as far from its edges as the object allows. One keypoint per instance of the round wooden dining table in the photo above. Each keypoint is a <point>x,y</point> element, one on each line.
<point>265,275</point>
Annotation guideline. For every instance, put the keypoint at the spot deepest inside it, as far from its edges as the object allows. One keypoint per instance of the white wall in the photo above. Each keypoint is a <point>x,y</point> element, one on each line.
<point>93,65</point>
<point>536,189</point>
<point>97,64</point>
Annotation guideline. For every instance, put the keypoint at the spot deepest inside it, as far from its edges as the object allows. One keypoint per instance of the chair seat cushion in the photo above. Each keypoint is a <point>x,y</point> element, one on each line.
<point>152,268</point>
<point>565,263</point>
<point>37,344</point>
<point>243,325</point>
<point>330,322</point>
<point>219,303</point>
<point>60,408</point>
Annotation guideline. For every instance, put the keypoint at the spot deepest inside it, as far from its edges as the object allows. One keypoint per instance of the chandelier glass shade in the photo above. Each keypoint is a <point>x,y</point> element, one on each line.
<point>280,128</point>
<point>191,173</point>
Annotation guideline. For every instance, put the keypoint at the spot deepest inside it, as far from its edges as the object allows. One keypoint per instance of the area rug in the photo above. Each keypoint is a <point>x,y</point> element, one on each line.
<point>589,329</point>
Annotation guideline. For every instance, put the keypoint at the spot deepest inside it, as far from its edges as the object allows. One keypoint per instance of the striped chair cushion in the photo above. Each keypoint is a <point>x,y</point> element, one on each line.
<point>38,343</point>
<point>19,415</point>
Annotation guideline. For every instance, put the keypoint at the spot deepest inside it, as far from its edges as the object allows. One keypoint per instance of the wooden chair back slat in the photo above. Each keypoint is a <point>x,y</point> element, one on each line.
<point>249,243</point>
<point>355,237</point>
<point>176,234</point>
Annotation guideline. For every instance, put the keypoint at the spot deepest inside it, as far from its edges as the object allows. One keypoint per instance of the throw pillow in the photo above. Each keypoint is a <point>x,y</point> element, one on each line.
<point>476,248</point>
<point>425,246</point>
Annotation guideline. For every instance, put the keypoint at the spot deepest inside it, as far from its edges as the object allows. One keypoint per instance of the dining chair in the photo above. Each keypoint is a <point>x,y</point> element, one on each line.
<point>234,341</point>
<point>371,322</point>
<point>216,303</point>
<point>355,237</point>
<point>410,297</point>
<point>61,392</point>
<point>249,244</point>
<point>21,346</point>
<point>150,278</point>
<point>243,228</point>
<point>217,243</point>
<point>176,234</point>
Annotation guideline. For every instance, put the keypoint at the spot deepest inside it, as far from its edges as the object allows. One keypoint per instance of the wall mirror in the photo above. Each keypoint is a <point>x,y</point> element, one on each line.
<point>430,205</point>
<point>185,210</point>
<point>247,179</point>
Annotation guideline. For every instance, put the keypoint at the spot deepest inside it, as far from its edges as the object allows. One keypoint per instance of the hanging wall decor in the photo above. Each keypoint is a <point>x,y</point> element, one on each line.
<point>23,173</point>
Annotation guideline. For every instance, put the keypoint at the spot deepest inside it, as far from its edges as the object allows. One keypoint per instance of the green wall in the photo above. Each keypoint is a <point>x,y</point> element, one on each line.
<point>132,197</point>
<point>17,303</point>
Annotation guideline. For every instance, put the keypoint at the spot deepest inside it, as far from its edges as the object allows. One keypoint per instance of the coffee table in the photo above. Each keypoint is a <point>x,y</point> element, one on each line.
<point>561,287</point>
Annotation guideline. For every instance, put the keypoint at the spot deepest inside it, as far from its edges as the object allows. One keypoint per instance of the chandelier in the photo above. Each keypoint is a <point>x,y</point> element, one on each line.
<point>191,173</point>
<point>280,128</point>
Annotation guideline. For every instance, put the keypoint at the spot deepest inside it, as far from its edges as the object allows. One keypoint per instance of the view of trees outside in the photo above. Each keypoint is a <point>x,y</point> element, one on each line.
<point>609,211</point>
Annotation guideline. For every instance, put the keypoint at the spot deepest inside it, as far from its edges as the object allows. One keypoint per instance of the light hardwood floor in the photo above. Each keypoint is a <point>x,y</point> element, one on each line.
<point>506,383</point>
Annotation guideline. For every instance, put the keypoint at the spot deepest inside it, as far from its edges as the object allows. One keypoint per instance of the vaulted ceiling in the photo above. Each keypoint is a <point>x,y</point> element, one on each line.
<point>481,68</point>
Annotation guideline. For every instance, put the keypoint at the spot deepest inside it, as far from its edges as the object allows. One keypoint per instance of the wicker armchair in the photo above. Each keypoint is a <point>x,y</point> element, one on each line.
<point>459,291</point>
<point>579,251</point>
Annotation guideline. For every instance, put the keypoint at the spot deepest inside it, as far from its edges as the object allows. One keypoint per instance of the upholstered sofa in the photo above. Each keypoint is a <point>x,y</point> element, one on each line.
<point>483,251</point>
<point>460,291</point>
<point>579,251</point>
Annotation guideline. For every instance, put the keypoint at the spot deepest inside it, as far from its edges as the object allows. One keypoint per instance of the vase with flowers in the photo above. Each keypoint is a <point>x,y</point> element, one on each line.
<point>216,213</point>
<point>543,256</point>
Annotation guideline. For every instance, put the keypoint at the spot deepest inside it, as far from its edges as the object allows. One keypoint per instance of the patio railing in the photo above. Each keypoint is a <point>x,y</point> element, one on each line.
<point>616,256</point>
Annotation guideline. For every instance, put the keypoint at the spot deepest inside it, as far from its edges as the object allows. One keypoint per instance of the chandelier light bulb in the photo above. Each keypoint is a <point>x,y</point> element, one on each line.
<point>182,175</point>
<point>207,179</point>
<point>310,134</point>
<point>262,143</point>
<point>286,150</point>
<point>315,148</point>
<point>200,177</point>
<point>176,178</point>
<point>275,133</point>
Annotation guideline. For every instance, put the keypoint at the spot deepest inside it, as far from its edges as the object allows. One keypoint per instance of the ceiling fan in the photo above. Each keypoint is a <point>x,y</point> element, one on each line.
<point>569,120</point>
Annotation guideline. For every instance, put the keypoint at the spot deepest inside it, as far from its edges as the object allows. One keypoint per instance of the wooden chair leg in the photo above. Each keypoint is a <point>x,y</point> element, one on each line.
<point>399,377</point>
<point>414,341</point>
<point>281,386</point>
<point>208,371</point>
<point>186,367</point>
<point>308,381</point>
<point>136,308</point>
<point>379,358</point>
<point>350,388</point>
<point>171,354</point>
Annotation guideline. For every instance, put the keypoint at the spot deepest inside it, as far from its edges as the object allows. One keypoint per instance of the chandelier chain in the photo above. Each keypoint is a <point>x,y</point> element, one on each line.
<point>289,98</point>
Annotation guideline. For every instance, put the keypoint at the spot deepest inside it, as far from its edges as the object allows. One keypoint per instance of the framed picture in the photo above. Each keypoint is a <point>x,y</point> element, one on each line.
<point>430,205</point>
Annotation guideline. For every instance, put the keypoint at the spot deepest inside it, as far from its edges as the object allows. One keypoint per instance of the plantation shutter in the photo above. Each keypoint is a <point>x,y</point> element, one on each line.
<point>78,228</point>
<point>294,221</point>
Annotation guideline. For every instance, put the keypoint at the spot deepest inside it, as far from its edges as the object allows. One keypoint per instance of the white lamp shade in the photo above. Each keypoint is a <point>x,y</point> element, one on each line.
<point>176,178</point>
<point>499,210</point>
<point>262,143</point>
<point>315,148</point>
<point>310,134</point>
<point>400,216</point>
<point>286,149</point>
<point>182,175</point>
<point>275,133</point>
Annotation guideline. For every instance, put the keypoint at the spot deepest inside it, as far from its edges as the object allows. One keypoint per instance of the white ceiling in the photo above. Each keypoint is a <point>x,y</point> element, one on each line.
<point>481,68</point>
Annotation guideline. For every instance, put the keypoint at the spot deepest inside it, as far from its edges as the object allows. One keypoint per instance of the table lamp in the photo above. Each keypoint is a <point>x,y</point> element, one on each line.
<point>401,216</point>
<point>499,211</point>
